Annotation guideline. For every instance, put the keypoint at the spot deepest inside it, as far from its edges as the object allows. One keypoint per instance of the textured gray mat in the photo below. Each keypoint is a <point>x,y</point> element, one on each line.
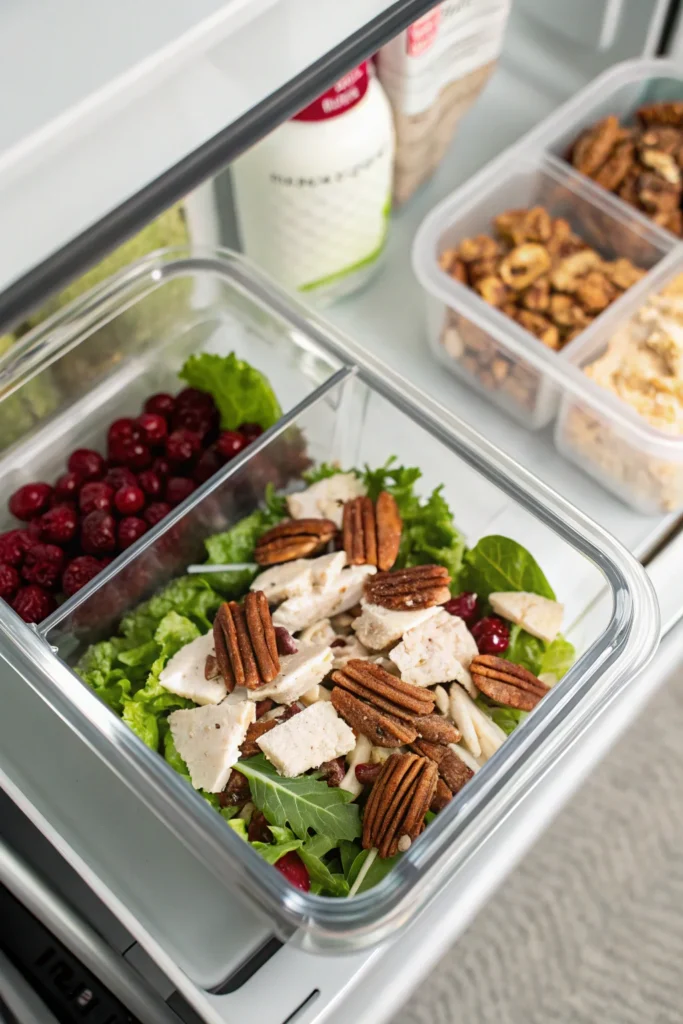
<point>590,930</point>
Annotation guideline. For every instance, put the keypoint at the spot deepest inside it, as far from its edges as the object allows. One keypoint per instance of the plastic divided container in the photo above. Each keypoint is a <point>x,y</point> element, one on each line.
<point>364,413</point>
<point>489,350</point>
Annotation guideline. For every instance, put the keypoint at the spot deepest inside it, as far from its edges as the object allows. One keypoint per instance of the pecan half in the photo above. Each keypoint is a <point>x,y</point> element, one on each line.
<point>244,637</point>
<point>507,683</point>
<point>616,167</point>
<point>452,769</point>
<point>398,802</point>
<point>250,747</point>
<point>293,538</point>
<point>442,796</point>
<point>383,690</point>
<point>382,729</point>
<point>661,113</point>
<point>437,729</point>
<point>593,147</point>
<point>421,586</point>
<point>372,533</point>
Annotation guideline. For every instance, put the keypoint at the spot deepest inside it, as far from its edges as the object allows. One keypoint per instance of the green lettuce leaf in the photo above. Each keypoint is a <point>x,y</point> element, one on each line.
<point>239,826</point>
<point>378,870</point>
<point>348,852</point>
<point>143,721</point>
<point>273,851</point>
<point>190,596</point>
<point>322,471</point>
<point>507,718</point>
<point>498,564</point>
<point>173,632</point>
<point>98,668</point>
<point>558,657</point>
<point>241,393</point>
<point>311,853</point>
<point>237,545</point>
<point>525,649</point>
<point>301,803</point>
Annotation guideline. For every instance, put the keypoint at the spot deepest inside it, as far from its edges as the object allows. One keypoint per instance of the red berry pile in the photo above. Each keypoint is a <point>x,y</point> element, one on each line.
<point>100,505</point>
<point>492,635</point>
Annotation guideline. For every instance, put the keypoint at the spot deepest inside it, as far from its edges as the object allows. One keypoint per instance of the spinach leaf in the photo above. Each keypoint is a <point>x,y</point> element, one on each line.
<point>558,657</point>
<point>498,564</point>
<point>311,853</point>
<point>378,869</point>
<point>525,649</point>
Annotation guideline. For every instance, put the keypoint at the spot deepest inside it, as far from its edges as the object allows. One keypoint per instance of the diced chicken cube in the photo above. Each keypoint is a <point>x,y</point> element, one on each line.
<point>282,581</point>
<point>209,739</point>
<point>308,739</point>
<point>437,650</point>
<point>537,615</point>
<point>344,648</point>
<point>341,594</point>
<point>377,627</point>
<point>298,673</point>
<point>319,633</point>
<point>185,674</point>
<point>325,569</point>
<point>325,499</point>
<point>315,694</point>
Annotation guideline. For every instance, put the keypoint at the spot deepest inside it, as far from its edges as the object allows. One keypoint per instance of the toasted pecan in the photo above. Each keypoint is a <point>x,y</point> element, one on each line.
<point>452,769</point>
<point>507,683</point>
<point>372,533</point>
<point>442,796</point>
<point>244,637</point>
<point>382,729</point>
<point>437,729</point>
<point>293,538</point>
<point>383,690</point>
<point>398,802</point>
<point>421,586</point>
<point>250,747</point>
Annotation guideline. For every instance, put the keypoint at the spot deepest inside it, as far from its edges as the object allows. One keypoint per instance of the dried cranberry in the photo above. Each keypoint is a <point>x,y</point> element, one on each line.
<point>124,429</point>
<point>33,603</point>
<point>366,773</point>
<point>67,487</point>
<point>230,443</point>
<point>79,572</point>
<point>120,476</point>
<point>251,431</point>
<point>87,463</point>
<point>161,467</point>
<point>160,404</point>
<point>43,565</point>
<point>153,428</point>
<point>155,512</point>
<point>30,500</point>
<point>263,706</point>
<point>59,525</point>
<point>339,642</point>
<point>333,771</point>
<point>182,445</point>
<point>237,792</point>
<point>208,464</point>
<point>95,497</point>
<point>294,870</point>
<point>492,635</point>
<point>130,529</point>
<point>195,399</point>
<point>178,488</point>
<point>9,581</point>
<point>258,831</point>
<point>286,644</point>
<point>98,533</point>
<point>465,605</point>
<point>293,709</point>
<point>129,500</point>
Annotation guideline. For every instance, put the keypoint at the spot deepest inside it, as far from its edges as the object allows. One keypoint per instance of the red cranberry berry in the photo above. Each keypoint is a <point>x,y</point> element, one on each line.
<point>33,603</point>
<point>367,772</point>
<point>208,464</point>
<point>78,572</point>
<point>58,525</point>
<point>9,581</point>
<point>43,565</point>
<point>203,422</point>
<point>67,487</point>
<point>88,463</point>
<point>129,500</point>
<point>13,546</point>
<point>95,497</point>
<point>130,529</point>
<point>251,431</point>
<point>193,398</point>
<point>153,428</point>
<point>98,533</point>
<point>120,476</point>
<point>133,454</point>
<point>294,870</point>
<point>161,466</point>
<point>30,500</point>
<point>177,489</point>
<point>230,443</point>
<point>492,635</point>
<point>124,429</point>
<point>160,404</point>
<point>465,605</point>
<point>155,512</point>
<point>150,483</point>
<point>182,445</point>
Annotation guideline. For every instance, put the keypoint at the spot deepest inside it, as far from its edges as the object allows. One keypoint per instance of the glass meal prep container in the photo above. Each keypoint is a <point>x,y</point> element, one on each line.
<point>361,411</point>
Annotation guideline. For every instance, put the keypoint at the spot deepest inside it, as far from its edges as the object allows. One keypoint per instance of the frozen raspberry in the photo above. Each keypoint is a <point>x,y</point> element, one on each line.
<point>182,445</point>
<point>124,429</point>
<point>67,487</point>
<point>153,428</point>
<point>34,529</point>
<point>251,431</point>
<point>120,476</point>
<point>177,489</point>
<point>161,404</point>
<point>33,603</point>
<point>193,398</point>
<point>155,512</point>
<point>43,565</point>
<point>130,529</point>
<point>161,466</point>
<point>230,443</point>
<point>30,500</point>
<point>98,533</point>
<point>150,483</point>
<point>129,500</point>
<point>13,546</point>
<point>58,525</point>
<point>492,635</point>
<point>465,605</point>
<point>79,572</point>
<point>95,497</point>
<point>209,463</point>
<point>294,870</point>
<point>9,581</point>
<point>87,463</point>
